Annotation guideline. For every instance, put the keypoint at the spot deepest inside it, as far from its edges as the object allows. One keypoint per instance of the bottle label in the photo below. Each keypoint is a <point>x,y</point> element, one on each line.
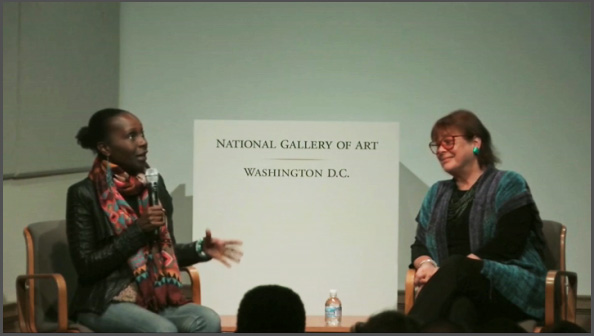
<point>333,312</point>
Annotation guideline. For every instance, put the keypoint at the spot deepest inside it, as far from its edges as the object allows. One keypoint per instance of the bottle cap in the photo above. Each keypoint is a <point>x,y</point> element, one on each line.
<point>333,292</point>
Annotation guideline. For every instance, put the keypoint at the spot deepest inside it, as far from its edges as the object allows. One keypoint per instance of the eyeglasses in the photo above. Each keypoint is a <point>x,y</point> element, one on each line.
<point>447,143</point>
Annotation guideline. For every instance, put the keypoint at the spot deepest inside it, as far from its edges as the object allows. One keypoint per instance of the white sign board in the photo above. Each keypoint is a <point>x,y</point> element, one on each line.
<point>315,203</point>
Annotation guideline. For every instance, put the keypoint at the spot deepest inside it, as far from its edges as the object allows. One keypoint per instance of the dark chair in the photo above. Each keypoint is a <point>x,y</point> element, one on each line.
<point>561,285</point>
<point>43,294</point>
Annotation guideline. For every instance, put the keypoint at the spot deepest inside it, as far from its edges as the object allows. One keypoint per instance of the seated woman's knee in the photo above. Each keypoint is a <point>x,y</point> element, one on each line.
<point>163,326</point>
<point>454,261</point>
<point>206,321</point>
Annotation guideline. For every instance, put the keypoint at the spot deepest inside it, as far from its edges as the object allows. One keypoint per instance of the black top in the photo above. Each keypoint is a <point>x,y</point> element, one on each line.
<point>458,237</point>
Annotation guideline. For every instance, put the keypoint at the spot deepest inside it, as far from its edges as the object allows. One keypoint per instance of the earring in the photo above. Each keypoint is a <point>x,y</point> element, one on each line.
<point>476,150</point>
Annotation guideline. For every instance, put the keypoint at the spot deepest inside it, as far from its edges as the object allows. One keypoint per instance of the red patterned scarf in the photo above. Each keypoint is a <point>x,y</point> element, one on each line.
<point>154,266</point>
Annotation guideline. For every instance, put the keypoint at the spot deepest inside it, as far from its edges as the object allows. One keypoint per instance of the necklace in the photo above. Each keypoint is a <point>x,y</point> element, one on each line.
<point>459,204</point>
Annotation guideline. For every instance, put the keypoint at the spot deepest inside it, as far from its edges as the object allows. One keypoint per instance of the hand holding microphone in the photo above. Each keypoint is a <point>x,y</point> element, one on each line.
<point>154,218</point>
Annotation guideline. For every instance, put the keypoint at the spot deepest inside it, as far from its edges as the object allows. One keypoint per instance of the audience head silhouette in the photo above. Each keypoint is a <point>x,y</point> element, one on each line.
<point>442,325</point>
<point>271,308</point>
<point>501,325</point>
<point>389,321</point>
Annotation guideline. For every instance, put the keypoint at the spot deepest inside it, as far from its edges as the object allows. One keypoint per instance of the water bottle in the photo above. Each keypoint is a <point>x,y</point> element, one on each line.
<point>333,310</point>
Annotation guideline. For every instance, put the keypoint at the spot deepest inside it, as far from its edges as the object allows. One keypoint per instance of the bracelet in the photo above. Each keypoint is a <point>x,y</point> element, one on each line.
<point>431,261</point>
<point>200,250</point>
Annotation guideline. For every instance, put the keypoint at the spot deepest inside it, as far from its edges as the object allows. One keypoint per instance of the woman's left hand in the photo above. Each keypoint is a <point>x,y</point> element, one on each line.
<point>222,250</point>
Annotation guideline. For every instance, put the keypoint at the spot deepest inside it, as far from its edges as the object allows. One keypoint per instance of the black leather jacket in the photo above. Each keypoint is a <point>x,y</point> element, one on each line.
<point>100,257</point>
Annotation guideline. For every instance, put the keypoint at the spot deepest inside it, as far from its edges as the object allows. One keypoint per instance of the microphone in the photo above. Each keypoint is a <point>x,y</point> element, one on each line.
<point>152,177</point>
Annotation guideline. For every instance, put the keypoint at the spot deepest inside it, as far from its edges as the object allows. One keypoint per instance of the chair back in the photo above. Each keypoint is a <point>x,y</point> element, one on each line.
<point>560,284</point>
<point>554,234</point>
<point>47,252</point>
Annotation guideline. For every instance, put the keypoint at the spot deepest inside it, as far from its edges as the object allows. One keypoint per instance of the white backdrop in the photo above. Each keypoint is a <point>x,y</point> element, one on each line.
<point>307,233</point>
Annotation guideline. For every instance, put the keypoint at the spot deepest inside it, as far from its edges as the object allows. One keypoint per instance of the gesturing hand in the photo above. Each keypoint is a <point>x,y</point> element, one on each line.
<point>222,250</point>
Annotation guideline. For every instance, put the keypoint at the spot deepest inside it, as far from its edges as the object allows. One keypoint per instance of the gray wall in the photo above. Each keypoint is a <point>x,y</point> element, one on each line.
<point>60,61</point>
<point>524,68</point>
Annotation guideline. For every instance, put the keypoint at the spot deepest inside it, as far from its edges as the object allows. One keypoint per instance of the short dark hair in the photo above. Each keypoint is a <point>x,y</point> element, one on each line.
<point>96,131</point>
<point>389,321</point>
<point>442,325</point>
<point>500,325</point>
<point>271,308</point>
<point>469,124</point>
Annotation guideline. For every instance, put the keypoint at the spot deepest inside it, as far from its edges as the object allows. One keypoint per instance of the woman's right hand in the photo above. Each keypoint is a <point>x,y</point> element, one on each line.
<point>153,219</point>
<point>424,273</point>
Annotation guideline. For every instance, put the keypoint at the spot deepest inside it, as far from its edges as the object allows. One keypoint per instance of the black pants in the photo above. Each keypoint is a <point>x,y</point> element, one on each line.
<point>459,293</point>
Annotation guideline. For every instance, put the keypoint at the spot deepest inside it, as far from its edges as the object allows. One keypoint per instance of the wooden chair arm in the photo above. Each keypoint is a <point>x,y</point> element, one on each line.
<point>195,282</point>
<point>409,290</point>
<point>26,301</point>
<point>555,279</point>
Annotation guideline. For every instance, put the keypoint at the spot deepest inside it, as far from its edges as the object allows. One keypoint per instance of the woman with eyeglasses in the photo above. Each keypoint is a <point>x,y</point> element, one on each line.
<point>478,249</point>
